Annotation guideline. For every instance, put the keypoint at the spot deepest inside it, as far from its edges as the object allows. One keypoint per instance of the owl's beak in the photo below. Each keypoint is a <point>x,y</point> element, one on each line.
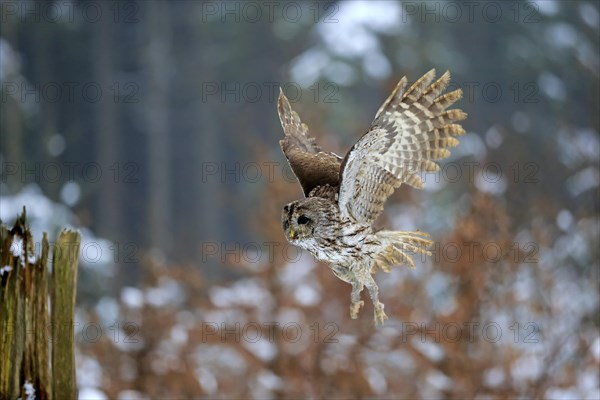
<point>292,234</point>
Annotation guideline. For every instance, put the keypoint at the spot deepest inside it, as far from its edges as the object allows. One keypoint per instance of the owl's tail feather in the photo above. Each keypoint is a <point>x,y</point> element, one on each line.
<point>401,246</point>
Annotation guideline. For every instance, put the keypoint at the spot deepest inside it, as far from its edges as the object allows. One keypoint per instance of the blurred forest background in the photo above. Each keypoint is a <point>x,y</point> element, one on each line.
<point>152,127</point>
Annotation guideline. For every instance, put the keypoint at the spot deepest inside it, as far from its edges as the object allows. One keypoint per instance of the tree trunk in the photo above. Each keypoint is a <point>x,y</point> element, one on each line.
<point>157,117</point>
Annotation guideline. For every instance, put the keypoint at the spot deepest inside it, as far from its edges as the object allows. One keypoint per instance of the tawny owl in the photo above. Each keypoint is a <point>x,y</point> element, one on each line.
<point>344,196</point>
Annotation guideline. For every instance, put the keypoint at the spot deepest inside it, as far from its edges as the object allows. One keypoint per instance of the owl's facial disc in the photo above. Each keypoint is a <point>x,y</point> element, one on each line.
<point>296,223</point>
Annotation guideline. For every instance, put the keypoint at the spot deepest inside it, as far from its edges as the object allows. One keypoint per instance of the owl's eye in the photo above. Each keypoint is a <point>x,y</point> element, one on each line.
<point>303,220</point>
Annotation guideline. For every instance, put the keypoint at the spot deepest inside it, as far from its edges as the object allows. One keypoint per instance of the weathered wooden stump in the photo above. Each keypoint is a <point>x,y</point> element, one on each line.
<point>37,341</point>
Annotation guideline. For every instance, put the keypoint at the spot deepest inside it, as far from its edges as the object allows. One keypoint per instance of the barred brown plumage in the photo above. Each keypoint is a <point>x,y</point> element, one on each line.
<point>411,130</point>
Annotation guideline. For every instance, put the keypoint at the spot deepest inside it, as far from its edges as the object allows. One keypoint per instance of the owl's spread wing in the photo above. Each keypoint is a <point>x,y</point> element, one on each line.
<point>312,166</point>
<point>410,130</point>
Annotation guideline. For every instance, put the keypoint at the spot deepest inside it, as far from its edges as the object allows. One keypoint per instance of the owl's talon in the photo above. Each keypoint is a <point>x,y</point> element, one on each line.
<point>379,314</point>
<point>354,308</point>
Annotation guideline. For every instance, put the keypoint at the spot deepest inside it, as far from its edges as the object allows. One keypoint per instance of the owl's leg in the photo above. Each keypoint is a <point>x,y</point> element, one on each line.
<point>347,275</point>
<point>374,293</point>
<point>357,303</point>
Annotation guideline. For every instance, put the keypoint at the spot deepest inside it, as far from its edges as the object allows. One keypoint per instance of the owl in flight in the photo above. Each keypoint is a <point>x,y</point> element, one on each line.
<point>343,197</point>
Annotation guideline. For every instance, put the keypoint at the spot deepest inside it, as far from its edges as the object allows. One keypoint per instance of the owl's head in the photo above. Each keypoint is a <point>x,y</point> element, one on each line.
<point>302,219</point>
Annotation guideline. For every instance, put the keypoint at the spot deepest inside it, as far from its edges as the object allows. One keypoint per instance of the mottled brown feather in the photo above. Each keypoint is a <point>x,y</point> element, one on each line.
<point>312,166</point>
<point>411,130</point>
